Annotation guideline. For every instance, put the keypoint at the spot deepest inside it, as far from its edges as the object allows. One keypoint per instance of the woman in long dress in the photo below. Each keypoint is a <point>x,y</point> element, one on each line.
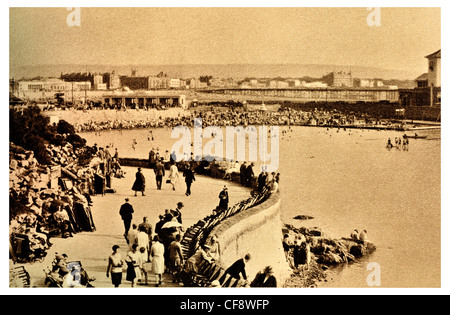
<point>139,183</point>
<point>173,175</point>
<point>157,259</point>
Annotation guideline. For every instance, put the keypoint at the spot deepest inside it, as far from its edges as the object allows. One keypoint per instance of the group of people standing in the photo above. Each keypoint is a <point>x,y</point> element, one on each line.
<point>149,251</point>
<point>160,173</point>
<point>247,174</point>
<point>399,144</point>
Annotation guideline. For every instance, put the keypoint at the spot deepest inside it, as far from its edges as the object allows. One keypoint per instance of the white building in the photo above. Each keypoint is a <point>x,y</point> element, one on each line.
<point>371,83</point>
<point>174,83</point>
<point>432,78</point>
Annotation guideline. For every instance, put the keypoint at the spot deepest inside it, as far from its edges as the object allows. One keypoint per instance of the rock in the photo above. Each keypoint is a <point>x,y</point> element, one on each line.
<point>330,259</point>
<point>303,217</point>
<point>315,231</point>
<point>358,250</point>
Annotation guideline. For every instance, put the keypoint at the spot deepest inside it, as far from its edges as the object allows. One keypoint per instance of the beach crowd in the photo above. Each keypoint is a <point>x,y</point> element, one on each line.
<point>212,116</point>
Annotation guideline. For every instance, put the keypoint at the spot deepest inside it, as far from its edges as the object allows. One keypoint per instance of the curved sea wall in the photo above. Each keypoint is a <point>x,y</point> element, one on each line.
<point>257,231</point>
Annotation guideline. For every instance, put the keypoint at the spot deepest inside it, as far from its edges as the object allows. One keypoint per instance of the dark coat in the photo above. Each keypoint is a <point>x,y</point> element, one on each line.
<point>139,183</point>
<point>158,226</point>
<point>126,211</point>
<point>159,169</point>
<point>237,268</point>
<point>243,169</point>
<point>223,200</point>
<point>189,175</point>
<point>177,214</point>
<point>151,156</point>
<point>261,181</point>
<point>258,282</point>
<point>249,172</point>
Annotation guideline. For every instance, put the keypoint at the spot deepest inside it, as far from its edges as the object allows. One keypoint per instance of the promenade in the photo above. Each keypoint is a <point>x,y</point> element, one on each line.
<point>93,248</point>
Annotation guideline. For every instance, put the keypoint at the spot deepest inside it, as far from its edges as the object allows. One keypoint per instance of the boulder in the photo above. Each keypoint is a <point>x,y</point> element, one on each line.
<point>358,250</point>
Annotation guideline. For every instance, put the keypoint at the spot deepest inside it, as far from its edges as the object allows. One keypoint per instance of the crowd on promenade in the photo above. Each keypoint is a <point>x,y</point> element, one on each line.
<point>212,116</point>
<point>153,251</point>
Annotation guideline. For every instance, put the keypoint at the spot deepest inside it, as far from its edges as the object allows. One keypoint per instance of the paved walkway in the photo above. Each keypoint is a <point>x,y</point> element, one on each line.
<point>93,248</point>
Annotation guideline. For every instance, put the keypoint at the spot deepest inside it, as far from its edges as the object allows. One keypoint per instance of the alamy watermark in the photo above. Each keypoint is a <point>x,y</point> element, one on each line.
<point>374,277</point>
<point>374,17</point>
<point>74,17</point>
<point>186,149</point>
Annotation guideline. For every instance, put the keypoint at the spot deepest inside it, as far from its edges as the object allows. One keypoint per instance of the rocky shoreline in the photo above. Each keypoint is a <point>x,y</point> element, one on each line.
<point>322,253</point>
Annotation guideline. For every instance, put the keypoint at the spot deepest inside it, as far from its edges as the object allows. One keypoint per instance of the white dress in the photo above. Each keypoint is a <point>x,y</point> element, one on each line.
<point>157,257</point>
<point>142,241</point>
<point>173,175</point>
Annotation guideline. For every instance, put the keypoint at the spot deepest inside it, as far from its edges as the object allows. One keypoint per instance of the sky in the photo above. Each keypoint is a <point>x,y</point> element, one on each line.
<point>165,36</point>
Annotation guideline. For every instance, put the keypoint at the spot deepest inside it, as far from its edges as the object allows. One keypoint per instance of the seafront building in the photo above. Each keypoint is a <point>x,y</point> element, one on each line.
<point>427,90</point>
<point>338,86</point>
<point>144,99</point>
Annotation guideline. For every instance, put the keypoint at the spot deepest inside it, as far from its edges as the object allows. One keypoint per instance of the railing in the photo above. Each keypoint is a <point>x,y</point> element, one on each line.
<point>198,234</point>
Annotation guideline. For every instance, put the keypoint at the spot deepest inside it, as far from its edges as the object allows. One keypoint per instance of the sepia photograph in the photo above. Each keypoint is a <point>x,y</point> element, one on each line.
<point>291,148</point>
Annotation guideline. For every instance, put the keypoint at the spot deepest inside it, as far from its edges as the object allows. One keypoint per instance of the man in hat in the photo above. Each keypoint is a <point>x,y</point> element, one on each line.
<point>265,279</point>
<point>160,172</point>
<point>188,174</point>
<point>126,212</point>
<point>223,198</point>
<point>177,212</point>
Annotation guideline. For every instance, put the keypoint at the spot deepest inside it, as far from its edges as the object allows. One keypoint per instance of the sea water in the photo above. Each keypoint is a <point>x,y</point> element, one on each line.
<point>346,180</point>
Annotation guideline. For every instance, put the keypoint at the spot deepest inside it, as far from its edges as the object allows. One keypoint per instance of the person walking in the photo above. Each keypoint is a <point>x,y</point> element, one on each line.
<point>173,175</point>
<point>133,269</point>
<point>132,235</point>
<point>142,262</point>
<point>223,199</point>
<point>148,228</point>
<point>114,268</point>
<point>142,241</point>
<point>188,174</point>
<point>126,212</point>
<point>157,259</point>
<point>160,172</point>
<point>139,183</point>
